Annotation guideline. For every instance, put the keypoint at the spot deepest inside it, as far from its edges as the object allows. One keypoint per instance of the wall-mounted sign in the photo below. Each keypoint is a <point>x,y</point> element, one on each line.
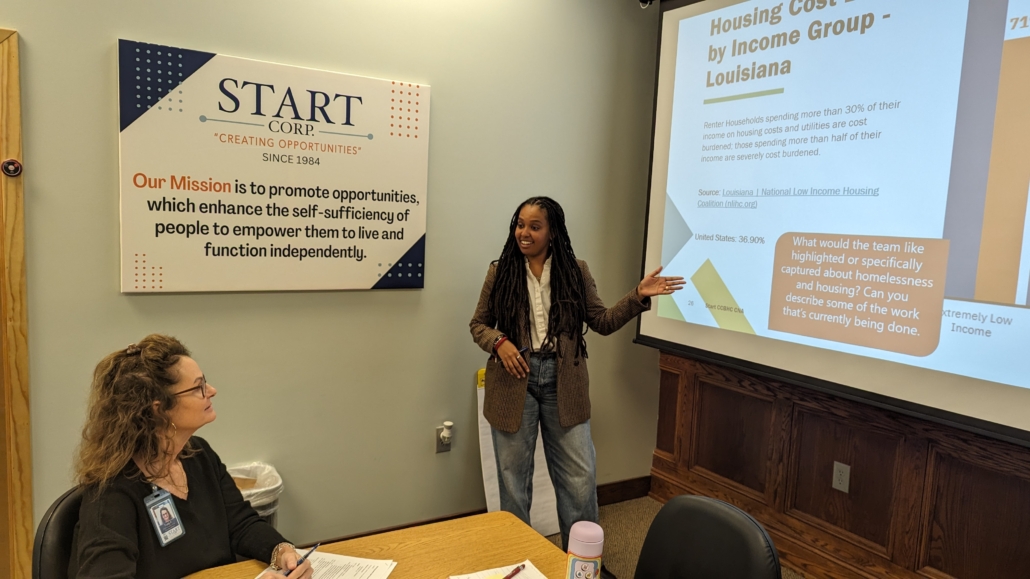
<point>240,175</point>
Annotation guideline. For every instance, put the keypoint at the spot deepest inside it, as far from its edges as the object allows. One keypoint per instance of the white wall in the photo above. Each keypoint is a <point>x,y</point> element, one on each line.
<point>342,390</point>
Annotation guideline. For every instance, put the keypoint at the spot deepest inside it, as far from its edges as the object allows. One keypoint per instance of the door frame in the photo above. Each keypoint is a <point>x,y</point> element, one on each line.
<point>16,521</point>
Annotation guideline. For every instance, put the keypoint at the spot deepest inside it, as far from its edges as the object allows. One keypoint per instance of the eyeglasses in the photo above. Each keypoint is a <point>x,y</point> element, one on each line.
<point>202,388</point>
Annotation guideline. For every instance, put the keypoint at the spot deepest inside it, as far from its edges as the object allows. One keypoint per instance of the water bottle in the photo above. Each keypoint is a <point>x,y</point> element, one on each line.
<point>586,540</point>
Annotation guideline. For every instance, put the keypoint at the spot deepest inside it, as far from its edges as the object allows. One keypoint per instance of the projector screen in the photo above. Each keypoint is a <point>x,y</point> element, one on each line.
<point>843,184</point>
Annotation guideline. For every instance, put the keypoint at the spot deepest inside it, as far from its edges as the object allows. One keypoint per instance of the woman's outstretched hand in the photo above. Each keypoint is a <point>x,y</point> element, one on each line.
<point>653,285</point>
<point>513,361</point>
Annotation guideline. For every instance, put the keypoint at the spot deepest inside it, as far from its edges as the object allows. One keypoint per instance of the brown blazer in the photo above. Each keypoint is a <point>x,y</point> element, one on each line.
<point>506,394</point>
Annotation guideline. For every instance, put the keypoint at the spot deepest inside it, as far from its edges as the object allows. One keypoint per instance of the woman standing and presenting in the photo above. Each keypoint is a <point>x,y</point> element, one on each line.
<point>530,317</point>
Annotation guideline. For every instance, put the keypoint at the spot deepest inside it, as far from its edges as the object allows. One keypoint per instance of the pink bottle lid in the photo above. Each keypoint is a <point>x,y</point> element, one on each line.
<point>586,539</point>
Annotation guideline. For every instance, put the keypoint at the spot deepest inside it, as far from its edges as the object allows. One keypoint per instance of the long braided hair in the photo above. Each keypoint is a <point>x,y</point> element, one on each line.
<point>509,298</point>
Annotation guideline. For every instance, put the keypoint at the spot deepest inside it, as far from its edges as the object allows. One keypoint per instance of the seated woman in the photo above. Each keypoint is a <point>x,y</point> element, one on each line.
<point>158,501</point>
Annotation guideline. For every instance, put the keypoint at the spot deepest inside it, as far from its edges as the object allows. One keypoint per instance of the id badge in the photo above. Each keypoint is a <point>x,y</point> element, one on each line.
<point>164,516</point>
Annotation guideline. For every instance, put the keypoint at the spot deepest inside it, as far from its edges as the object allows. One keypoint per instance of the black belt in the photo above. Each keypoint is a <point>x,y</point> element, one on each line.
<point>545,355</point>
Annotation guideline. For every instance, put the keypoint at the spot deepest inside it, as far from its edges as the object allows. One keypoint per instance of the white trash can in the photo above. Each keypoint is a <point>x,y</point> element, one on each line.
<point>264,496</point>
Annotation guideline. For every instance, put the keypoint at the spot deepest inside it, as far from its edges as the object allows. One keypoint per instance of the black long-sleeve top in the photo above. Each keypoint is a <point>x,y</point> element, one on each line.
<point>114,538</point>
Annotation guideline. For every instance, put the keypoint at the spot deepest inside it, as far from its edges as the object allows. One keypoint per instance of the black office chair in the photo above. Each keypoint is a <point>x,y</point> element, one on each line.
<point>702,538</point>
<point>51,551</point>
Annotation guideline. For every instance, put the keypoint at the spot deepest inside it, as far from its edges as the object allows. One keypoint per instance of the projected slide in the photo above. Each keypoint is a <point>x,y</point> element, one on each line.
<point>833,179</point>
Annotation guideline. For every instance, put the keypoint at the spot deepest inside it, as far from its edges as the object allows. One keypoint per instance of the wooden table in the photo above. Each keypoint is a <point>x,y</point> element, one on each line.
<point>439,550</point>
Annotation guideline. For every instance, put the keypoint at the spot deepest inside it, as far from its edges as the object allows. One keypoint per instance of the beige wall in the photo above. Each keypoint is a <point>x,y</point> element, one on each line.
<point>342,390</point>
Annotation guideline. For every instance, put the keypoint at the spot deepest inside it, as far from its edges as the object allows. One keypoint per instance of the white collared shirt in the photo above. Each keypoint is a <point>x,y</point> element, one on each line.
<point>539,303</point>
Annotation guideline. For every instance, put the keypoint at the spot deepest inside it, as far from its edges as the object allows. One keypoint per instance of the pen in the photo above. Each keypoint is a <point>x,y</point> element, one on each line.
<point>304,558</point>
<point>515,571</point>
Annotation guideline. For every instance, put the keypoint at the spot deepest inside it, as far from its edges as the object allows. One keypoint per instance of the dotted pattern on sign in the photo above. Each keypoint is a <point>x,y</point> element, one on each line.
<point>407,272</point>
<point>149,76</point>
<point>405,104</point>
<point>402,269</point>
<point>146,275</point>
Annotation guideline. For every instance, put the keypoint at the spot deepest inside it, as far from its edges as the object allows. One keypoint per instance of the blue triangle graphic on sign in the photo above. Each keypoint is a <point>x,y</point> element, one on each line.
<point>409,271</point>
<point>148,72</point>
<point>677,233</point>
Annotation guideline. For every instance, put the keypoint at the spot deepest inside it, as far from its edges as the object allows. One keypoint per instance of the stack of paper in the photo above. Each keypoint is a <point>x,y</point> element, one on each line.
<point>329,566</point>
<point>530,572</point>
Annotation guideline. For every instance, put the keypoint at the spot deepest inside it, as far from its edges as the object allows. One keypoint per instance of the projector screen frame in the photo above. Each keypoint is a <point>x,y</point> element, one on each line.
<point>963,422</point>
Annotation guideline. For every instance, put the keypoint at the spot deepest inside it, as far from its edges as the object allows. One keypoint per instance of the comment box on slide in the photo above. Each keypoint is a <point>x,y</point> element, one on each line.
<point>874,291</point>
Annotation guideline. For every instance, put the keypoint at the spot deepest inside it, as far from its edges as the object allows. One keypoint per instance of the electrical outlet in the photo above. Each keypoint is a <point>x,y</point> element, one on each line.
<point>841,476</point>
<point>440,446</point>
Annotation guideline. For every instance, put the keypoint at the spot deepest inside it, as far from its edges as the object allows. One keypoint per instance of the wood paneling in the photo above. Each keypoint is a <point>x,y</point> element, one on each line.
<point>16,556</point>
<point>980,521</point>
<point>623,490</point>
<point>668,411</point>
<point>908,502</point>
<point>865,509</point>
<point>925,500</point>
<point>732,435</point>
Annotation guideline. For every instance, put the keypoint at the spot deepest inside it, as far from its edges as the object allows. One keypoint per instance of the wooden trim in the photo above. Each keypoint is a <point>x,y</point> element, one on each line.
<point>905,532</point>
<point>929,501</point>
<point>607,494</point>
<point>623,490</point>
<point>781,379</point>
<point>14,353</point>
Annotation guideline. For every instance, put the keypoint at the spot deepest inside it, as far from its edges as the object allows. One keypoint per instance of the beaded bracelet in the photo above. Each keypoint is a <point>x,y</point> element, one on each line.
<point>274,563</point>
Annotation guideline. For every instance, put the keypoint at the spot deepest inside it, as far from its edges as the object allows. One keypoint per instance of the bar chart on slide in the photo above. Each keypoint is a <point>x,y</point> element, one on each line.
<point>1004,275</point>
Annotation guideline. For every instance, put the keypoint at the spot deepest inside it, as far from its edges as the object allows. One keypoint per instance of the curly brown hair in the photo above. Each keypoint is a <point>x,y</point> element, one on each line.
<point>122,420</point>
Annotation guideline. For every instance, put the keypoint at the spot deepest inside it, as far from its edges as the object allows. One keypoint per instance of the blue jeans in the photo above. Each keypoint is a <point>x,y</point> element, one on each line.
<point>569,453</point>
